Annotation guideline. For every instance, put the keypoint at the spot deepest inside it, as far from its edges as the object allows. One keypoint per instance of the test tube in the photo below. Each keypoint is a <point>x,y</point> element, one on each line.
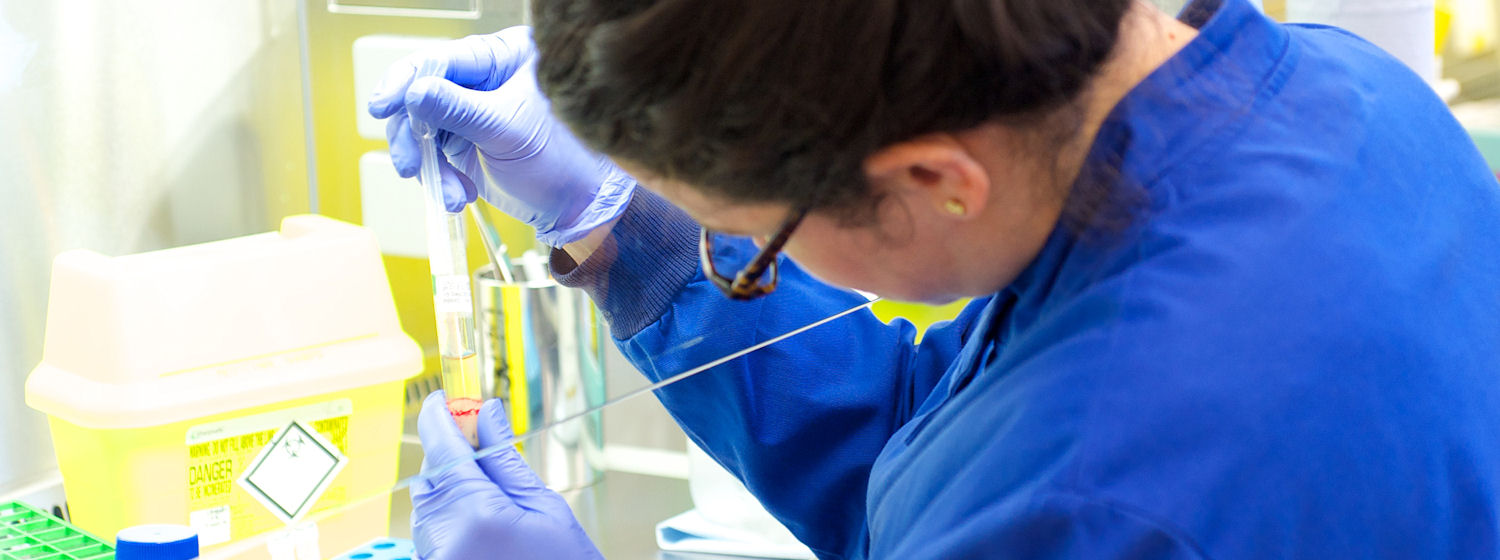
<point>453,302</point>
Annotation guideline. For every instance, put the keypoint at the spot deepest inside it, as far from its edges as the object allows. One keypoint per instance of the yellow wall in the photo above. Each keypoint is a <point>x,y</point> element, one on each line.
<point>923,316</point>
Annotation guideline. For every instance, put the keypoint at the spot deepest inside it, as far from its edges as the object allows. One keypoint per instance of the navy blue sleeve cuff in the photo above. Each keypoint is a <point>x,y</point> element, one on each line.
<point>651,253</point>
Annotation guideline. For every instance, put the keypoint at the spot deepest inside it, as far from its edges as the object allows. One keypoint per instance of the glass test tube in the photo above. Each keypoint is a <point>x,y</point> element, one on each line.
<point>457,342</point>
<point>447,253</point>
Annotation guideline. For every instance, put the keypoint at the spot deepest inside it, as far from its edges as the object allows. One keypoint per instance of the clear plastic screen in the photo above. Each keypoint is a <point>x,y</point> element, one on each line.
<point>562,403</point>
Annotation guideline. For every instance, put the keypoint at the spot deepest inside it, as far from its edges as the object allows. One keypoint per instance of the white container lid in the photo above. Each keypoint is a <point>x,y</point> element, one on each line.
<point>154,338</point>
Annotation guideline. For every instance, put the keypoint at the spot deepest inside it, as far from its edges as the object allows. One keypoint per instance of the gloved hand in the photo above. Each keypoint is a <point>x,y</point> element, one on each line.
<point>494,507</point>
<point>495,123</point>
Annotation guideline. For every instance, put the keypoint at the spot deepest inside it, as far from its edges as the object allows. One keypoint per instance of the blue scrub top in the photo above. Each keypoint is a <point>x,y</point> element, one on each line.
<point>1292,353</point>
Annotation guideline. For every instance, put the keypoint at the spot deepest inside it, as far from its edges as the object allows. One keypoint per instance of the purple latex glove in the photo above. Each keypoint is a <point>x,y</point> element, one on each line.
<point>493,507</point>
<point>499,137</point>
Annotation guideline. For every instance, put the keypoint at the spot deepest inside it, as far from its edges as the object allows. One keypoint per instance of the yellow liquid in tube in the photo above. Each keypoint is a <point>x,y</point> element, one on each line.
<point>461,382</point>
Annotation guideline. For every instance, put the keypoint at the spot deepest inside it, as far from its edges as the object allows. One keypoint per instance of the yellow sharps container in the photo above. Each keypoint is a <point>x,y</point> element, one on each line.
<point>177,382</point>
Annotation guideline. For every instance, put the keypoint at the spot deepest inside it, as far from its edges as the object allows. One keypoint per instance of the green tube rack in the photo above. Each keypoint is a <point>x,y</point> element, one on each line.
<point>27,533</point>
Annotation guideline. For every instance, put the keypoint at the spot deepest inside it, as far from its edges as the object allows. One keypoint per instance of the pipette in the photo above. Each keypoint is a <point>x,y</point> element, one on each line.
<point>452,299</point>
<point>492,244</point>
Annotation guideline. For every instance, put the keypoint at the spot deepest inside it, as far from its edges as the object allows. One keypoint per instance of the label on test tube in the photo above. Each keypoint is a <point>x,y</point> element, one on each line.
<point>450,294</point>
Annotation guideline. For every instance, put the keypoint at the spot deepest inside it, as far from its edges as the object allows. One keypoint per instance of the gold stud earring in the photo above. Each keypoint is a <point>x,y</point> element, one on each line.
<point>955,207</point>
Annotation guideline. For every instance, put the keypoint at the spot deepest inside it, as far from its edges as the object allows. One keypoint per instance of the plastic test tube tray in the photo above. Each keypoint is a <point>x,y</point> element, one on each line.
<point>32,534</point>
<point>382,549</point>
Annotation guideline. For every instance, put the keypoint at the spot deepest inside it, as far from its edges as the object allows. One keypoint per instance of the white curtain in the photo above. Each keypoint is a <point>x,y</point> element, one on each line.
<point>1404,28</point>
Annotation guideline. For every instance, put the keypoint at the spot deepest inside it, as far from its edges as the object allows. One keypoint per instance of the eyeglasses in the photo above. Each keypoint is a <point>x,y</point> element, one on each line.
<point>747,285</point>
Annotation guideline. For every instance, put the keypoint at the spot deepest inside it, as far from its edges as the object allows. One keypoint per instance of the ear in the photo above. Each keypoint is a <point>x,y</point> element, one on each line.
<point>936,169</point>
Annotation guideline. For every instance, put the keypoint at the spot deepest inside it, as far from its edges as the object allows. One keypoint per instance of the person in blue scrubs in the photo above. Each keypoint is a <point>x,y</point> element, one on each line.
<point>1236,283</point>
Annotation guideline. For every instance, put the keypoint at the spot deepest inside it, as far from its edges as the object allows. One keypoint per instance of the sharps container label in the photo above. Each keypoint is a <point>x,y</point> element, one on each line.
<point>292,471</point>
<point>220,452</point>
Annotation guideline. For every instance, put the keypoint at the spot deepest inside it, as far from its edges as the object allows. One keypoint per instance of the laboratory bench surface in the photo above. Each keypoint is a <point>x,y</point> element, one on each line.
<point>620,512</point>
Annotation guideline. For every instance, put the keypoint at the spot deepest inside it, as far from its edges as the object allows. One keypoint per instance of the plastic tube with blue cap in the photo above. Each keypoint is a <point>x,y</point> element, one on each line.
<point>156,542</point>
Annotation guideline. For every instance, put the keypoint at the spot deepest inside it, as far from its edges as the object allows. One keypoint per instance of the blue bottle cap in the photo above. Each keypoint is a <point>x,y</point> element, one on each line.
<point>156,542</point>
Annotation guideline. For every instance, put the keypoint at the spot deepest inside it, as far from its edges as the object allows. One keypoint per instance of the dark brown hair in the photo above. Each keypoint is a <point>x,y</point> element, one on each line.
<point>782,100</point>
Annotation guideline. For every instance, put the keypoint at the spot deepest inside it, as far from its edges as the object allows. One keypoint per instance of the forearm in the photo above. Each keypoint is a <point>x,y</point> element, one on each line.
<point>634,266</point>
<point>801,421</point>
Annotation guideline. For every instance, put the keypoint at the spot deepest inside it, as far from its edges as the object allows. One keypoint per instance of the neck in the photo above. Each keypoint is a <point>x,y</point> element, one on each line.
<point>1027,217</point>
<point>1149,38</point>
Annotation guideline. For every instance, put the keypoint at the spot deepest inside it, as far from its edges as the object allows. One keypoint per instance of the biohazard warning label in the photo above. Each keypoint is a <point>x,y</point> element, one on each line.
<point>218,453</point>
<point>293,471</point>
